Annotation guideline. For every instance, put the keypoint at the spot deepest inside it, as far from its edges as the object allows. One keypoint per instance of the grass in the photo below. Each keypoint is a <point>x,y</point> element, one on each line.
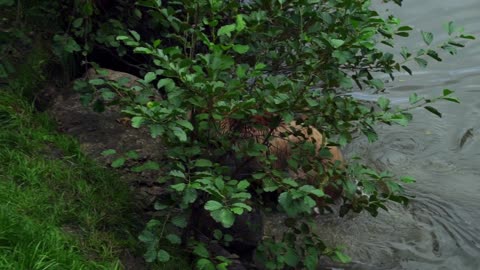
<point>58,209</point>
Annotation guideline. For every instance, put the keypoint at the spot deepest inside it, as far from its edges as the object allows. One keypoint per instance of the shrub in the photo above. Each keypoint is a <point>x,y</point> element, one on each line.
<point>230,70</point>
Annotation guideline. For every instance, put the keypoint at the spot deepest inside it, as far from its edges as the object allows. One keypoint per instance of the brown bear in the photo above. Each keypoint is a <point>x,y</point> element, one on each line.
<point>280,141</point>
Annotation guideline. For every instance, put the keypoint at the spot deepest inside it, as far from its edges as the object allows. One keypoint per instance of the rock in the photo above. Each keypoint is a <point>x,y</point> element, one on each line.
<point>97,132</point>
<point>217,250</point>
<point>247,231</point>
<point>112,75</point>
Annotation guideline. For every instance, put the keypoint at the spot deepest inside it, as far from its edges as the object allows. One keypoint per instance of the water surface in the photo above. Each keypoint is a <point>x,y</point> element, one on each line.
<point>440,228</point>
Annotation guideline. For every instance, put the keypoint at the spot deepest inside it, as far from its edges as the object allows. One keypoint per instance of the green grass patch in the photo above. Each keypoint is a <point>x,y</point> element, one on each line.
<point>58,209</point>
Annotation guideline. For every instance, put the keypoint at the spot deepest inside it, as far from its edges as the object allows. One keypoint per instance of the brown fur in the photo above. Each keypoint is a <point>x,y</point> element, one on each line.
<point>281,141</point>
<point>279,144</point>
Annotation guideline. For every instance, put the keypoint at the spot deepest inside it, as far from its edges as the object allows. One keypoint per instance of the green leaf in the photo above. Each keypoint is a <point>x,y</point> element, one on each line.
<point>346,82</point>
<point>96,82</point>
<point>311,262</point>
<point>243,205</point>
<point>450,28</point>
<point>184,123</point>
<point>342,56</point>
<point>291,258</point>
<point>433,54</point>
<point>150,255</point>
<point>174,239</point>
<point>217,234</point>
<point>159,206</point>
<point>467,37</point>
<point>407,69</point>
<point>405,53</point>
<point>150,76</point>
<point>67,43</point>
<point>421,62</point>
<point>241,49</point>
<point>400,119</point>
<point>178,187</point>
<point>137,121</point>
<point>156,130</point>
<point>383,102</point>
<point>157,43</point>
<point>224,216</point>
<point>137,13</point>
<point>269,185</point>
<point>142,50</point>
<point>240,23</point>
<point>405,28</point>
<point>260,66</point>
<point>372,136</point>
<point>179,221</point>
<point>132,154</point>
<point>203,163</point>
<point>341,257</point>
<point>219,183</point>
<point>108,152</point>
<point>318,192</point>
<point>258,176</point>
<point>121,38</point>
<point>149,165</point>
<point>413,98</point>
<point>242,185</point>
<point>286,201</point>
<point>146,237</point>
<point>135,35</point>
<point>213,205</point>
<point>205,264</point>
<point>163,256</point>
<point>201,251</point>
<point>176,173</point>
<point>108,95</point>
<point>378,84</point>
<point>226,30</point>
<point>242,71</point>
<point>402,34</point>
<point>433,110</point>
<point>451,99</point>
<point>407,179</point>
<point>189,196</point>
<point>336,43</point>
<point>447,92</point>
<point>237,210</point>
<point>456,44</point>
<point>427,37</point>
<point>118,162</point>
<point>290,182</point>
<point>216,5</point>
<point>77,22</point>
<point>167,83</point>
<point>180,134</point>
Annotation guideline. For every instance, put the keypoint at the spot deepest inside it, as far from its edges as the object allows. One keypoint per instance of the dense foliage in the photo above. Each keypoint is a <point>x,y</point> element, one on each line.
<point>211,69</point>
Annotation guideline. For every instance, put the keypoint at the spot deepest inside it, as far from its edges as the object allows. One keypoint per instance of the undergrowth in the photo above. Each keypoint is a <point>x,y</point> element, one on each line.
<point>58,209</point>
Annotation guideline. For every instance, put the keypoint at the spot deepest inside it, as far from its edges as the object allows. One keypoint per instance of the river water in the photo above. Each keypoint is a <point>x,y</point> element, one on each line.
<point>440,229</point>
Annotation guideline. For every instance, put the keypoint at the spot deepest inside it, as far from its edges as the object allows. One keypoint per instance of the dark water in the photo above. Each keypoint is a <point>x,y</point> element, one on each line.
<point>440,229</point>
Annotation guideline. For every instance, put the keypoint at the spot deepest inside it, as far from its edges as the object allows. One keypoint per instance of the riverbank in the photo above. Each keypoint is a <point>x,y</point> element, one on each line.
<point>58,208</point>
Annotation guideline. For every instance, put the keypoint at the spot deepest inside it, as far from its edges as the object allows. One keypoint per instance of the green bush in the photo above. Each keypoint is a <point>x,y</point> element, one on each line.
<point>228,64</point>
